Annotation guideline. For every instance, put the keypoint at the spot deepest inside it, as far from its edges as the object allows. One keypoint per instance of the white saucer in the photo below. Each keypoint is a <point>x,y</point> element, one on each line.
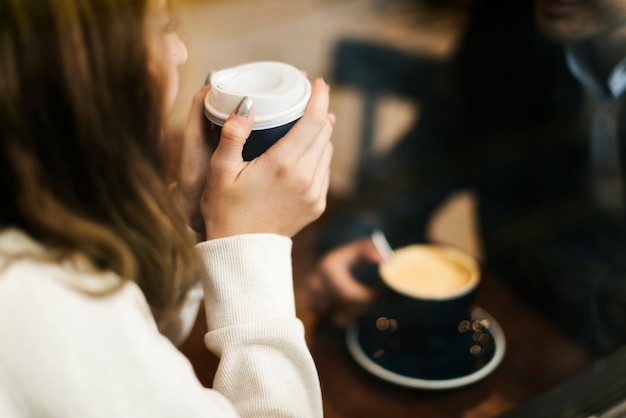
<point>413,380</point>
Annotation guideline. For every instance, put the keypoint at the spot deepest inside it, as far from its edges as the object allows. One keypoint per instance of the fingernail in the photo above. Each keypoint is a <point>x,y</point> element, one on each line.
<point>244,107</point>
<point>323,81</point>
<point>208,78</point>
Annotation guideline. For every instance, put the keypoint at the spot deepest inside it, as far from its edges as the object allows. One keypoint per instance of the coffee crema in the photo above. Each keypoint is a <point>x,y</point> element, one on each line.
<point>430,271</point>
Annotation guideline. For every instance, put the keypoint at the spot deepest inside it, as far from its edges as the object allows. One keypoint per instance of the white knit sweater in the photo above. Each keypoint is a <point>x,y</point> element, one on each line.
<point>67,353</point>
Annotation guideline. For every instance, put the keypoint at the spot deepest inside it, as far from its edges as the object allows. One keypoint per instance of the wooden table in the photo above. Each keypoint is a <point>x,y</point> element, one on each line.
<point>537,357</point>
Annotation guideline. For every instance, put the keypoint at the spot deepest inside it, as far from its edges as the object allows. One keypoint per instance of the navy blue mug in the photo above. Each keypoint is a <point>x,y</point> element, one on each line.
<point>427,293</point>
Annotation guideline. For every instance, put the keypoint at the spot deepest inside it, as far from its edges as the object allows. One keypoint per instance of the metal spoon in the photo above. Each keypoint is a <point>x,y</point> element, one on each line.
<point>381,244</point>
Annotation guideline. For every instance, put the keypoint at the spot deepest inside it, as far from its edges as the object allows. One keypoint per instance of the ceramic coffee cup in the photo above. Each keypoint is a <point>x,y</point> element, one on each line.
<point>280,93</point>
<point>428,291</point>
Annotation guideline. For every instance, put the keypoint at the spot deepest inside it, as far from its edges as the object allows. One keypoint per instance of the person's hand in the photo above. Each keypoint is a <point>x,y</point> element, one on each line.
<point>280,191</point>
<point>333,290</point>
<point>196,152</point>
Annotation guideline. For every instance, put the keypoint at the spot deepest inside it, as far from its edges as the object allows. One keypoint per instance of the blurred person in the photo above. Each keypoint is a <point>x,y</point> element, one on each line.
<point>529,116</point>
<point>95,249</point>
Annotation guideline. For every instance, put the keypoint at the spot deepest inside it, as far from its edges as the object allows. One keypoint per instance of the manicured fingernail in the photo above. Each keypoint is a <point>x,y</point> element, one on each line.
<point>244,107</point>
<point>208,78</point>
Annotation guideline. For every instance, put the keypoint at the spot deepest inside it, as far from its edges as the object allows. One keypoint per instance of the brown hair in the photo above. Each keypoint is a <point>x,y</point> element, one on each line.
<point>80,126</point>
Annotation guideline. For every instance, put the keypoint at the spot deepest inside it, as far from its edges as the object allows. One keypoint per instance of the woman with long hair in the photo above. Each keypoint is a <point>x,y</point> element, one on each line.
<point>96,249</point>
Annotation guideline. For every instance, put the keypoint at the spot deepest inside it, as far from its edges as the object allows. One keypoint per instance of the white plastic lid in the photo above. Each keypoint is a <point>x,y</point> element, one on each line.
<point>280,93</point>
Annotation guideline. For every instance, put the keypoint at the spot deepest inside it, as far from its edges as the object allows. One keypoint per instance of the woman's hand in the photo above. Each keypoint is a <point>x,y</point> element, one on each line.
<point>195,155</point>
<point>280,191</point>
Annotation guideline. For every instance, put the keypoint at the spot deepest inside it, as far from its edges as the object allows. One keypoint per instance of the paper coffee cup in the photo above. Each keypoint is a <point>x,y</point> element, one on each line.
<point>280,93</point>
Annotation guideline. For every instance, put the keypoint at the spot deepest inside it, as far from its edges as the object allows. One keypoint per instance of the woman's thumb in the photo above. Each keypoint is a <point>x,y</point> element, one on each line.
<point>236,131</point>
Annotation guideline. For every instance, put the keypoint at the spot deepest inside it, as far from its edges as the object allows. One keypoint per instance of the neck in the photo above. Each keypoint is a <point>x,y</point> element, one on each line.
<point>609,49</point>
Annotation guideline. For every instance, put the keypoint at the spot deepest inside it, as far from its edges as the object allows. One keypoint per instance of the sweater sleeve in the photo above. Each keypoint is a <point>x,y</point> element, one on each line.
<point>77,352</point>
<point>265,366</point>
